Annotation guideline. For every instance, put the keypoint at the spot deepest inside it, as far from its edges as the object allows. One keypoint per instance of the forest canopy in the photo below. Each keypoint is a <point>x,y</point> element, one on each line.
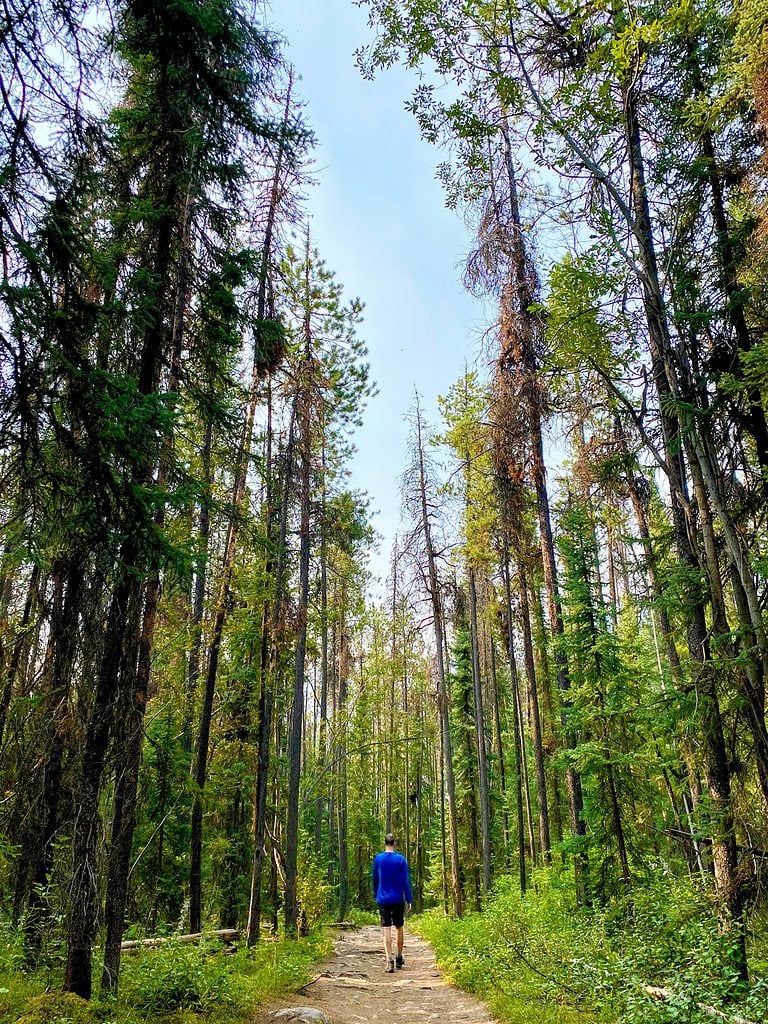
<point>210,714</point>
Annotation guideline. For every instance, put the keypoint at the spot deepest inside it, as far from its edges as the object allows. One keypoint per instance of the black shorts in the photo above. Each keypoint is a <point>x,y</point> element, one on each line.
<point>392,914</point>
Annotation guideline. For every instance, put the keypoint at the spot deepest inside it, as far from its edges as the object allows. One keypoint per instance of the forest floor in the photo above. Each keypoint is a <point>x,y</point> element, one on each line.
<point>352,987</point>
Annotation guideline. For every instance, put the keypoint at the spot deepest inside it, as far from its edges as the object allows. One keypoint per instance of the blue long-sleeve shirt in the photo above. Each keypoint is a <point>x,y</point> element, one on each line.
<point>391,878</point>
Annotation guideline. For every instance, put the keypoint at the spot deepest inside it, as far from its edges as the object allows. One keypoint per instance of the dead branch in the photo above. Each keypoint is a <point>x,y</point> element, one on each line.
<point>710,1011</point>
<point>226,935</point>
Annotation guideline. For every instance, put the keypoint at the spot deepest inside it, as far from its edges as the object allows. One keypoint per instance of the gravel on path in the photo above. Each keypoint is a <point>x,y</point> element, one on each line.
<point>353,987</point>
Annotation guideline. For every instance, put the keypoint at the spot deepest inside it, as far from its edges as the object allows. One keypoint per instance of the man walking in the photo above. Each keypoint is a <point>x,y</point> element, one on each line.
<point>392,892</point>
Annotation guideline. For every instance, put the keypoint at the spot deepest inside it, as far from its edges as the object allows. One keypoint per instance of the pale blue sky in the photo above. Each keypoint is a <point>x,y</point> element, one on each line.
<point>379,221</point>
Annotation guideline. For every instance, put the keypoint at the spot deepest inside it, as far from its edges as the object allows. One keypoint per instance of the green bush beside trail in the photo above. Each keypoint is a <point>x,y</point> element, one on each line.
<point>540,960</point>
<point>176,984</point>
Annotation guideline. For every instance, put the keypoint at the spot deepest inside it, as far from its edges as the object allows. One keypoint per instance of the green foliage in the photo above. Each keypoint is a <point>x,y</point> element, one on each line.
<point>273,967</point>
<point>462,725</point>
<point>465,414</point>
<point>17,990</point>
<point>360,917</point>
<point>58,1008</point>
<point>515,954</point>
<point>174,984</point>
<point>540,951</point>
<point>756,367</point>
<point>11,950</point>
<point>204,979</point>
<point>583,325</point>
<point>194,977</point>
<point>270,344</point>
<point>312,889</point>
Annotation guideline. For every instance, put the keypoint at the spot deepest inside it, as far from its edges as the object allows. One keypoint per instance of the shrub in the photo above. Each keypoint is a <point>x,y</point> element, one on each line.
<point>312,892</point>
<point>176,977</point>
<point>186,979</point>
<point>542,949</point>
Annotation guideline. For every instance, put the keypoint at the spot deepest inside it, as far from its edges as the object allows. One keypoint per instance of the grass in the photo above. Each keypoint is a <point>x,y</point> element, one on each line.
<point>171,985</point>
<point>541,960</point>
<point>470,957</point>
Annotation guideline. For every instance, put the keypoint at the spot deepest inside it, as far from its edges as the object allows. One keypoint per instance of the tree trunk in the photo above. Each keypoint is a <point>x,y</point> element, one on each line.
<point>714,756</point>
<point>263,359</point>
<point>442,693</point>
<point>322,736</point>
<point>754,418</point>
<point>121,636</point>
<point>535,720</point>
<point>291,908</point>
<point>341,800</point>
<point>482,757</point>
<point>18,649</point>
<point>63,639</point>
<point>123,614</point>
<point>443,830</point>
<point>198,593</point>
<point>271,636</point>
<point>515,724</point>
<point>128,767</point>
<point>517,362</point>
<point>500,745</point>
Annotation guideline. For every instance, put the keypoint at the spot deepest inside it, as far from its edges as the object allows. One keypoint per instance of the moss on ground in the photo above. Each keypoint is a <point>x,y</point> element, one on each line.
<point>58,1008</point>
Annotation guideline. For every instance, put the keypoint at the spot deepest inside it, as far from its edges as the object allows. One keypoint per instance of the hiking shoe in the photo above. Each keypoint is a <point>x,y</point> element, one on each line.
<point>399,961</point>
<point>390,968</point>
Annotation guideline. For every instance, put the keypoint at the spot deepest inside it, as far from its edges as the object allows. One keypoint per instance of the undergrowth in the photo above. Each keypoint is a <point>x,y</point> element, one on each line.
<point>540,960</point>
<point>359,917</point>
<point>175,984</point>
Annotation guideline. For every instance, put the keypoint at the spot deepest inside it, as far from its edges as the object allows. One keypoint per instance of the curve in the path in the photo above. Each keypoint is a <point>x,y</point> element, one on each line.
<point>353,988</point>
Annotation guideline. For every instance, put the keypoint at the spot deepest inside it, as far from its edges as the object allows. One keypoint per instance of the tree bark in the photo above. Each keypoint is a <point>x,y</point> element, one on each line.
<point>517,367</point>
<point>129,764</point>
<point>291,908</point>
<point>198,591</point>
<point>322,735</point>
<point>263,361</point>
<point>442,693</point>
<point>482,756</point>
<point>121,621</point>
<point>535,720</point>
<point>17,649</point>
<point>66,608</point>
<point>516,725</point>
<point>499,745</point>
<point>341,799</point>
<point>714,757</point>
<point>271,636</point>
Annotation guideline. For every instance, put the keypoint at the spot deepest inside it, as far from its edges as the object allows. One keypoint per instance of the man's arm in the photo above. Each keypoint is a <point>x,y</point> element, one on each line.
<point>375,877</point>
<point>407,887</point>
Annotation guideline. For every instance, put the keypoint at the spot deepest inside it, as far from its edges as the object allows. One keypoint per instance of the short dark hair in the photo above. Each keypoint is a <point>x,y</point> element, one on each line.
<point>389,839</point>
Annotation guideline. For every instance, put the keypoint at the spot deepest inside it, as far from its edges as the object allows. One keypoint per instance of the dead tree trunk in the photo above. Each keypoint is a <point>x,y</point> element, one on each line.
<point>306,377</point>
<point>271,635</point>
<point>442,692</point>
<point>482,756</point>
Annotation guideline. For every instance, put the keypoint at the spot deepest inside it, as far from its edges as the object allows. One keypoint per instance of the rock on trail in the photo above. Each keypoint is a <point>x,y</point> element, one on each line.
<point>353,988</point>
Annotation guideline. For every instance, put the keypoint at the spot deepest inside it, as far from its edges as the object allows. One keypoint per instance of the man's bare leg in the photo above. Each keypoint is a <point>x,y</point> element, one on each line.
<point>386,934</point>
<point>400,938</point>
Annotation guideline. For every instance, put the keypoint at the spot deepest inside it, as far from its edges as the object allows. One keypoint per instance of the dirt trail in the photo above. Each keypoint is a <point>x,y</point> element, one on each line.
<point>352,987</point>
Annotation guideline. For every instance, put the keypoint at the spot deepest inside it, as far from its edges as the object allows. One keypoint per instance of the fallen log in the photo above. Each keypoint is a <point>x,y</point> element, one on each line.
<point>225,934</point>
<point>710,1011</point>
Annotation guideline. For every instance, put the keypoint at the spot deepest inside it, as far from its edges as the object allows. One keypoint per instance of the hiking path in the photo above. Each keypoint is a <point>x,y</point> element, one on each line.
<point>353,988</point>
